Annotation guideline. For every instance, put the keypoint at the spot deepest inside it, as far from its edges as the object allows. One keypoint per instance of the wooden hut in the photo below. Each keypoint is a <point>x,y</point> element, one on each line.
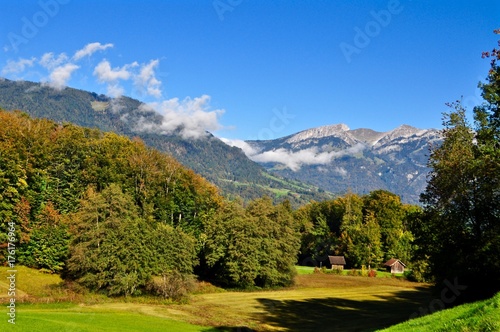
<point>337,262</point>
<point>395,266</point>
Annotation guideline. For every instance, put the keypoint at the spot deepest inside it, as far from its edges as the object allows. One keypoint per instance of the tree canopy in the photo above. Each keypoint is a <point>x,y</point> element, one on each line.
<point>461,227</point>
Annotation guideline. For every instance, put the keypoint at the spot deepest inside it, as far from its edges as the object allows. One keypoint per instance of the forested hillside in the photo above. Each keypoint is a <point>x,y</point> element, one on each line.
<point>225,166</point>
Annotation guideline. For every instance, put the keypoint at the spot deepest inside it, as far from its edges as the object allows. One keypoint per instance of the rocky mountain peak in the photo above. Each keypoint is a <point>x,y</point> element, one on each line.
<point>320,132</point>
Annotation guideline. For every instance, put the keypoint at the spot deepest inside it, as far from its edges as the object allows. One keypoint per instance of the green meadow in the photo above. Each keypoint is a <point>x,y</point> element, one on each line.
<point>477,316</point>
<point>317,302</point>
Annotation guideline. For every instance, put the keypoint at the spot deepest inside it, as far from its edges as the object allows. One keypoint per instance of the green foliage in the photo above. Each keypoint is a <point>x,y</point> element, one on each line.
<point>109,244</point>
<point>115,250</point>
<point>367,230</point>
<point>462,210</point>
<point>253,247</point>
<point>172,285</point>
<point>320,228</point>
<point>108,211</point>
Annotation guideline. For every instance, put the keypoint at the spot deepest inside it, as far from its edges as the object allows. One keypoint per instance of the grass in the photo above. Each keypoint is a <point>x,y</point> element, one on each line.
<point>316,302</point>
<point>71,317</point>
<point>304,269</point>
<point>477,316</point>
<point>380,274</point>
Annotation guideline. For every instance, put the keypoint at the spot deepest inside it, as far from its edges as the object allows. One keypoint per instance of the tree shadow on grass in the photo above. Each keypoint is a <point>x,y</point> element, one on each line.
<point>335,314</point>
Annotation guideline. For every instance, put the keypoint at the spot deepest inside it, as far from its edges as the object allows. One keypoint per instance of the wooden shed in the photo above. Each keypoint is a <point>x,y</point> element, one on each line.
<point>337,262</point>
<point>394,265</point>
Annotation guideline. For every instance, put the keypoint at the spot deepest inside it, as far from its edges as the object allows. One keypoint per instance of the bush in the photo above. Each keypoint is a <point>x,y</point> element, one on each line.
<point>418,272</point>
<point>372,273</point>
<point>172,285</point>
<point>354,273</point>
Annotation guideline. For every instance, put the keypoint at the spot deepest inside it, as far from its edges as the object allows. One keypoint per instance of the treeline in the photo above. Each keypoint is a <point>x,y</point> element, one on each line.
<point>367,230</point>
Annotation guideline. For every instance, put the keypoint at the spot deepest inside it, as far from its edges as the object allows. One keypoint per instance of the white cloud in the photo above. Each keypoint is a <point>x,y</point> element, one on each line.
<point>192,117</point>
<point>90,49</point>
<point>295,159</point>
<point>15,67</point>
<point>114,90</point>
<point>49,61</point>
<point>341,171</point>
<point>146,81</point>
<point>105,73</point>
<point>247,148</point>
<point>59,77</point>
<point>111,76</point>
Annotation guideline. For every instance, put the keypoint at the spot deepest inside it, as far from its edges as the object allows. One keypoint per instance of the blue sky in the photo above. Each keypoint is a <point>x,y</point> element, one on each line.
<point>259,69</point>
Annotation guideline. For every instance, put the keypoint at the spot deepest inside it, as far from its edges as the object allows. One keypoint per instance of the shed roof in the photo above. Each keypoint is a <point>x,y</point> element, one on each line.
<point>393,261</point>
<point>337,260</point>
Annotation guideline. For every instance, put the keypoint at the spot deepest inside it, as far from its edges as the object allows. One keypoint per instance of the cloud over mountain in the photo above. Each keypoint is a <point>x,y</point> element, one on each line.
<point>192,117</point>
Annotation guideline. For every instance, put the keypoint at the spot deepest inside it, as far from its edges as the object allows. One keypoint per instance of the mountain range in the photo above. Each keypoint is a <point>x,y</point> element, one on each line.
<point>314,164</point>
<point>338,159</point>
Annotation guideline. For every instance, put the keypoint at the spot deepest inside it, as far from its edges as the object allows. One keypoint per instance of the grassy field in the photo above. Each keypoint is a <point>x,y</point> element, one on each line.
<point>318,302</point>
<point>73,318</point>
<point>380,274</point>
<point>477,316</point>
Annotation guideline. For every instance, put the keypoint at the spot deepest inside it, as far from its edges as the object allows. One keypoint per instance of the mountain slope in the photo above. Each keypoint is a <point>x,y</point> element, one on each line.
<point>225,166</point>
<point>339,159</point>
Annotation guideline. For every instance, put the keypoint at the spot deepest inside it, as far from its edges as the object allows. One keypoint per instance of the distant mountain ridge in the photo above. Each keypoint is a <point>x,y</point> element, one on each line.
<point>339,159</point>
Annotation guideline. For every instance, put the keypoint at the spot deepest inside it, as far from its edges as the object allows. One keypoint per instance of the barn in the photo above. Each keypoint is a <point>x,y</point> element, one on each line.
<point>337,262</point>
<point>395,266</point>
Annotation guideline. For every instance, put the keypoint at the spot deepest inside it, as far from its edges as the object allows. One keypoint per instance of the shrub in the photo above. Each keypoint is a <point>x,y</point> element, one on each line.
<point>172,285</point>
<point>336,271</point>
<point>418,272</point>
<point>372,273</point>
<point>354,272</point>
<point>317,270</point>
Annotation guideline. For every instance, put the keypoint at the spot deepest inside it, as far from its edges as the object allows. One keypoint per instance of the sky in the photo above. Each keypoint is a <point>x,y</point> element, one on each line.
<point>259,69</point>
